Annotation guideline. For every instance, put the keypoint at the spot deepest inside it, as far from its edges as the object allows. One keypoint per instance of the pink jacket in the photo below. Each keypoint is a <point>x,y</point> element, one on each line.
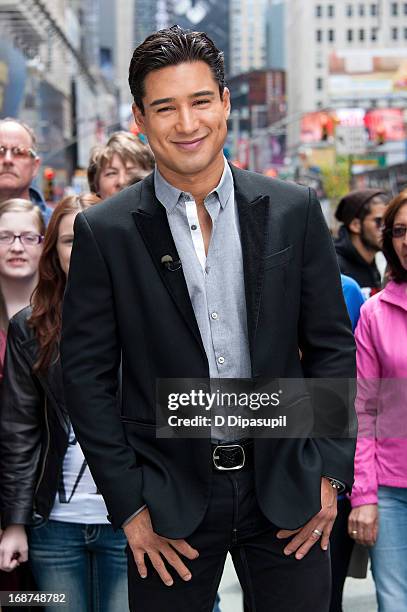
<point>381,403</point>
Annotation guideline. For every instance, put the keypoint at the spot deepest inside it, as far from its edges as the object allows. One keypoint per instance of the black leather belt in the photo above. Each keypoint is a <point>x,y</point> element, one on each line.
<point>232,456</point>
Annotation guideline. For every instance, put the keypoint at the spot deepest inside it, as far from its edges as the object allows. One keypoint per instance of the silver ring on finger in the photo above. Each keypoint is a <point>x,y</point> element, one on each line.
<point>317,532</point>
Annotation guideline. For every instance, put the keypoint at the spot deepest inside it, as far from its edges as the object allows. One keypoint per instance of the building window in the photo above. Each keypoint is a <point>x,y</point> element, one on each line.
<point>349,10</point>
<point>373,34</point>
<point>320,83</point>
<point>394,33</point>
<point>361,10</point>
<point>349,35</point>
<point>361,35</point>
<point>405,8</point>
<point>318,10</point>
<point>405,33</point>
<point>331,35</point>
<point>373,10</point>
<point>331,10</point>
<point>318,35</point>
<point>394,9</point>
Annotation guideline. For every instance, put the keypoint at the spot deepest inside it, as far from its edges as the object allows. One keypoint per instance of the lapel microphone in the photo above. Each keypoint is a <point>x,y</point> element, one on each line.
<point>168,262</point>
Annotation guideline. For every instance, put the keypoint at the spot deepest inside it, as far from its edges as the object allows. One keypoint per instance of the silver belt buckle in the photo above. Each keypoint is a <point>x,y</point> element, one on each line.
<point>215,457</point>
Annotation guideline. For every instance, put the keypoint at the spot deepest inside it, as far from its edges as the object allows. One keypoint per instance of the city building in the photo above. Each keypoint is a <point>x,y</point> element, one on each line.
<point>258,100</point>
<point>50,78</point>
<point>210,16</point>
<point>116,40</point>
<point>248,43</point>
<point>123,25</point>
<point>275,34</point>
<point>328,41</point>
<point>149,16</point>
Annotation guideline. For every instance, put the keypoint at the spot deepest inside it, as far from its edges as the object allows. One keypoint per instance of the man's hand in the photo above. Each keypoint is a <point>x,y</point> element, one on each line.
<point>363,524</point>
<point>320,526</point>
<point>13,548</point>
<point>142,540</point>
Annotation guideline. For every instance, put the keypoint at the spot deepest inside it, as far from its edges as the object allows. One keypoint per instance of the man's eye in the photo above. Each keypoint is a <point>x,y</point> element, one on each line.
<point>200,102</point>
<point>164,109</point>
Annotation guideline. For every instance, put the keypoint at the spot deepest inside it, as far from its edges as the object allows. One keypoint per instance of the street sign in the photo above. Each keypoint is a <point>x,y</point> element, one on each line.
<point>350,140</point>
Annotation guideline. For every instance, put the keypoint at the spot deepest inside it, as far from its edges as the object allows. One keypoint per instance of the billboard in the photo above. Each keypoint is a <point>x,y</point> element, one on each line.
<point>367,74</point>
<point>316,126</point>
<point>386,123</point>
<point>380,124</point>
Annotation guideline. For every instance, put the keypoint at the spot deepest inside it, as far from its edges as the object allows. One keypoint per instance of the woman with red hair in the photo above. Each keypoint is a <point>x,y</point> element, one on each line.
<point>51,511</point>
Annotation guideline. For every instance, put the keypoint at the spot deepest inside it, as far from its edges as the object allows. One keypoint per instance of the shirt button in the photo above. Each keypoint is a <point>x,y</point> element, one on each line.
<point>221,360</point>
<point>193,227</point>
<point>214,316</point>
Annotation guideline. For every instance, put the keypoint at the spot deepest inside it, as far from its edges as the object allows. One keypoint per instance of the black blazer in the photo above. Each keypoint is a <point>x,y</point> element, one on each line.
<point>121,304</point>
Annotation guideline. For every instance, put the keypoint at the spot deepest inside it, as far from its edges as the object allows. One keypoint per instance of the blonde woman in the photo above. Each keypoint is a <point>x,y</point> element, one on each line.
<point>114,166</point>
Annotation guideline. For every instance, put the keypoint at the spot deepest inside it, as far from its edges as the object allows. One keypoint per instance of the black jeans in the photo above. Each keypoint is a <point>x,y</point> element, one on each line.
<point>271,582</point>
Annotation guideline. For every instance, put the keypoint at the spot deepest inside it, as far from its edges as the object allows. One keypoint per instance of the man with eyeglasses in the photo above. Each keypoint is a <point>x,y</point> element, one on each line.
<point>19,164</point>
<point>360,237</point>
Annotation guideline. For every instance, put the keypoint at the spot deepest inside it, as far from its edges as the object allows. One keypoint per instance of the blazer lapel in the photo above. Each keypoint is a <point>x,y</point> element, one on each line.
<point>151,220</point>
<point>253,210</point>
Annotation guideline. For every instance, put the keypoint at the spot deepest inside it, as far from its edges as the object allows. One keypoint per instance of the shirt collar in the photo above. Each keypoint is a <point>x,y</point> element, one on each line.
<point>169,195</point>
<point>395,293</point>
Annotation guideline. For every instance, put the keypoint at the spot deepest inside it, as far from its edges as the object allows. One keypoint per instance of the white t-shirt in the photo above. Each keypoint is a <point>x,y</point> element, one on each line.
<point>77,499</point>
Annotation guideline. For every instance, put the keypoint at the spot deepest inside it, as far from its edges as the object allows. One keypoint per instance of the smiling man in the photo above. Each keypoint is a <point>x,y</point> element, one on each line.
<point>205,271</point>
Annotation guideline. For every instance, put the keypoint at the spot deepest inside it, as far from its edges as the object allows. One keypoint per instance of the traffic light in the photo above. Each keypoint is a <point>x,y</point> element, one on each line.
<point>380,135</point>
<point>324,129</point>
<point>49,184</point>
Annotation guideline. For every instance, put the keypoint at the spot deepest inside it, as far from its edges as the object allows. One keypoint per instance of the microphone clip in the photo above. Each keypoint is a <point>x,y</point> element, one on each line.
<point>168,262</point>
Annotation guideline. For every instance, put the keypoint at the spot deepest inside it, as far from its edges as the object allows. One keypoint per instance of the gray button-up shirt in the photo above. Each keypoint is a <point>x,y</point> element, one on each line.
<point>215,282</point>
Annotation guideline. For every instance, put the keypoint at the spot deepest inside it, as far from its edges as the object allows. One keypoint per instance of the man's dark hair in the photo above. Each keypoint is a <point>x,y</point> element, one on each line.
<point>171,47</point>
<point>397,272</point>
<point>357,204</point>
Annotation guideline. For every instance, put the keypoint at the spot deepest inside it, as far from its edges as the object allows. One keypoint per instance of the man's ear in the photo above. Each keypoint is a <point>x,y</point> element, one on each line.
<point>226,102</point>
<point>37,164</point>
<point>355,226</point>
<point>138,117</point>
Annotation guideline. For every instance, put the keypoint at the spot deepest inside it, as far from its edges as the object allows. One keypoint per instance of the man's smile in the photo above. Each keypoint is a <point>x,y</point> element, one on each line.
<point>189,145</point>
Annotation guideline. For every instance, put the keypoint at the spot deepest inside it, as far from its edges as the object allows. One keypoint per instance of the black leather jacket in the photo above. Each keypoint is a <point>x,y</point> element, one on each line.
<point>34,429</point>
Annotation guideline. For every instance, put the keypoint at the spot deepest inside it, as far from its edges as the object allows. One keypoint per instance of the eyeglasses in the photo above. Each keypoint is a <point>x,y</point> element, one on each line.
<point>18,152</point>
<point>398,231</point>
<point>26,238</point>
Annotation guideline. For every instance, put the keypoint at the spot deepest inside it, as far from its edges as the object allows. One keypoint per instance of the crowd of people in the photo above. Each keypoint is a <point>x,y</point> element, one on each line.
<point>52,514</point>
